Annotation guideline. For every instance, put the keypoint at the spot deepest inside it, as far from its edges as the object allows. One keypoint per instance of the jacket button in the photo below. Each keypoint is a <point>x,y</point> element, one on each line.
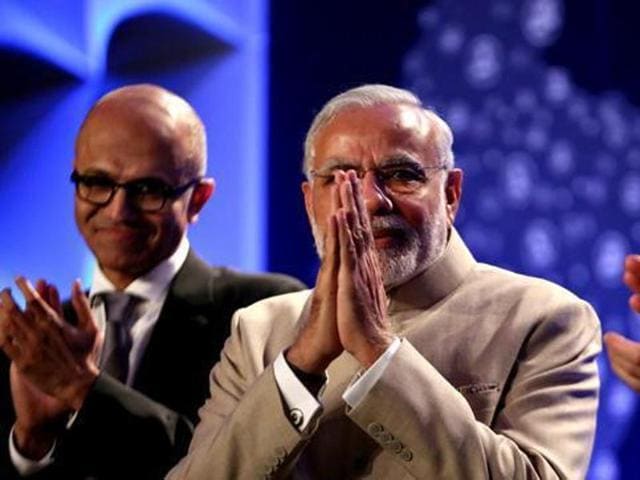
<point>386,438</point>
<point>396,446</point>
<point>406,455</point>
<point>375,429</point>
<point>281,452</point>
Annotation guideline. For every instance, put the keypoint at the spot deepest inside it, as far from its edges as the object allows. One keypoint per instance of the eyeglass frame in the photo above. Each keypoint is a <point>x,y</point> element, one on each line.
<point>168,192</point>
<point>361,172</point>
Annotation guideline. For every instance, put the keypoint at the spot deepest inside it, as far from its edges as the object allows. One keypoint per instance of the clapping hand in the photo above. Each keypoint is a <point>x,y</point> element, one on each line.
<point>53,363</point>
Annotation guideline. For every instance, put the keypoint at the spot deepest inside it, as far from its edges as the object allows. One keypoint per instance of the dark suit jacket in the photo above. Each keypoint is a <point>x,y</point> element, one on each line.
<point>140,432</point>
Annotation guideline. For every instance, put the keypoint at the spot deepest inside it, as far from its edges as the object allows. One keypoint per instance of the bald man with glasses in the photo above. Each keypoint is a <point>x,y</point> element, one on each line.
<point>108,385</point>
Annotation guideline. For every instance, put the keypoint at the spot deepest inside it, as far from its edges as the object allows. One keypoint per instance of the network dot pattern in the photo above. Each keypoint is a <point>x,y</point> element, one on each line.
<point>552,180</point>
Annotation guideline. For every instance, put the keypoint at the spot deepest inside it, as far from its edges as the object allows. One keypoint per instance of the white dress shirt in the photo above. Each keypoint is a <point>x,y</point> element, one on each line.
<point>299,400</point>
<point>152,288</point>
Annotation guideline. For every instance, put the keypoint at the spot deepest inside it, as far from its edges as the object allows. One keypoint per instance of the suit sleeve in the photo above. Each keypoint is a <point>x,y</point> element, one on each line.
<point>244,431</point>
<point>118,433</point>
<point>143,438</point>
<point>544,429</point>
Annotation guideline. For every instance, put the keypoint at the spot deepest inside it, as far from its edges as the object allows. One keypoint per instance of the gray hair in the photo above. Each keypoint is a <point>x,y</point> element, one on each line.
<point>370,96</point>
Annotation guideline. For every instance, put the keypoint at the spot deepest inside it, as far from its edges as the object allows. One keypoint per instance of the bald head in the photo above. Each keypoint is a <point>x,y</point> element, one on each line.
<point>140,144</point>
<point>153,110</point>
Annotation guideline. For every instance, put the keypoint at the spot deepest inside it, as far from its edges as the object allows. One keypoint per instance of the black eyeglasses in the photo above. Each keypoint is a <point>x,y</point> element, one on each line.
<point>146,194</point>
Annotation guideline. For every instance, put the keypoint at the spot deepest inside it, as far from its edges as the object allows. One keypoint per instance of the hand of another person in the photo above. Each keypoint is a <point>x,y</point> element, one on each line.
<point>317,343</point>
<point>632,279</point>
<point>363,325</point>
<point>624,354</point>
<point>57,358</point>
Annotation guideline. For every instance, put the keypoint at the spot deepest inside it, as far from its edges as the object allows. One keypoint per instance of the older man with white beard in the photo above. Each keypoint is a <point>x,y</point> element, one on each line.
<point>408,359</point>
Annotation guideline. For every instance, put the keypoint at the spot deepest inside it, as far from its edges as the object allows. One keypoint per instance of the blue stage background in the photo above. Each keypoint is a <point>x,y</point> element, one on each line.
<point>542,96</point>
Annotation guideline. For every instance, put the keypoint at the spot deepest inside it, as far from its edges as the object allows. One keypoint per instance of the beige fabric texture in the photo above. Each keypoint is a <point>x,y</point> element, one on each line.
<point>496,377</point>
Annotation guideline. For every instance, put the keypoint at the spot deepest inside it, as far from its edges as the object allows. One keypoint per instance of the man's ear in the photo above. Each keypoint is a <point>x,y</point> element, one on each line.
<point>202,192</point>
<point>453,192</point>
<point>308,198</point>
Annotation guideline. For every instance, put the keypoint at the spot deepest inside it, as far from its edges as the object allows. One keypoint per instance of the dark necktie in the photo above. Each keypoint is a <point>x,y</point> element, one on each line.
<point>117,339</point>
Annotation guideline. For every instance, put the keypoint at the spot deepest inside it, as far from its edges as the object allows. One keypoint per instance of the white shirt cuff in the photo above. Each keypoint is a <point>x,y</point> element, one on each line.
<point>301,404</point>
<point>356,392</point>
<point>25,466</point>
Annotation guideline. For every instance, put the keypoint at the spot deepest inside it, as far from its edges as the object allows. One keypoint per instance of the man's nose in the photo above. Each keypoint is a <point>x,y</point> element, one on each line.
<point>376,198</point>
<point>120,206</point>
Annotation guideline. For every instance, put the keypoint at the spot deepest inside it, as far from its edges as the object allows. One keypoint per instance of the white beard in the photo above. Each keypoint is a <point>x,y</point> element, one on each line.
<point>406,259</point>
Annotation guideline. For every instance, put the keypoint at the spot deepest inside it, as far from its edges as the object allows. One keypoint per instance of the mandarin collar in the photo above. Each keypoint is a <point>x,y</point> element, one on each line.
<point>437,281</point>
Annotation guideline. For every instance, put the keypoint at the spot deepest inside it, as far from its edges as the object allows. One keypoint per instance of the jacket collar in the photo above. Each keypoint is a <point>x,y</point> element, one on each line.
<point>437,281</point>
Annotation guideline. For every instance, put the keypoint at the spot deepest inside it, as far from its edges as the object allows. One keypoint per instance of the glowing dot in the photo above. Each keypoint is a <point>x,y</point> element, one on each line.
<point>542,21</point>
<point>630,194</point>
<point>484,63</point>
<point>561,158</point>
<point>609,252</point>
<point>540,245</point>
<point>451,39</point>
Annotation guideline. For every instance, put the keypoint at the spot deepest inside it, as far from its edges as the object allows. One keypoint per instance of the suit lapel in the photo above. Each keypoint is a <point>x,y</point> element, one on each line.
<point>178,336</point>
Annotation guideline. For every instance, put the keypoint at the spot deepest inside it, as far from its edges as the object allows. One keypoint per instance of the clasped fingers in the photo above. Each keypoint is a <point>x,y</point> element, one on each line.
<point>354,216</point>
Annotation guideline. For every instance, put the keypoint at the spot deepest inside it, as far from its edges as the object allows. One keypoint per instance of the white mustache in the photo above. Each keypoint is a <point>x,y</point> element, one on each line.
<point>388,223</point>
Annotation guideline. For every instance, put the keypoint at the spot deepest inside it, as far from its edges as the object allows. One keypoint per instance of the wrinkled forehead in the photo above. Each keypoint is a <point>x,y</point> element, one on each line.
<point>377,134</point>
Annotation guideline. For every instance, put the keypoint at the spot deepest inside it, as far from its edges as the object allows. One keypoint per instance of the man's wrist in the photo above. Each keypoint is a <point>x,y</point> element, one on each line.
<point>26,466</point>
<point>299,361</point>
<point>372,351</point>
<point>311,381</point>
<point>75,395</point>
<point>34,443</point>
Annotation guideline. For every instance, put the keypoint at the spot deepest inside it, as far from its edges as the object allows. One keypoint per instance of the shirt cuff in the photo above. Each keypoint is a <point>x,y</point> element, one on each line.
<point>25,466</point>
<point>357,391</point>
<point>302,405</point>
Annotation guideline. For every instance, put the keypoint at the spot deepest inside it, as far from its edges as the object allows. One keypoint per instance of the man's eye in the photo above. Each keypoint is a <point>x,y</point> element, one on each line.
<point>147,188</point>
<point>98,182</point>
<point>404,175</point>
<point>325,178</point>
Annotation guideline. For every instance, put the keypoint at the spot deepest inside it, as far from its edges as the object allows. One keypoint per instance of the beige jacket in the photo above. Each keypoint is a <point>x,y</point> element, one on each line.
<point>495,378</point>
